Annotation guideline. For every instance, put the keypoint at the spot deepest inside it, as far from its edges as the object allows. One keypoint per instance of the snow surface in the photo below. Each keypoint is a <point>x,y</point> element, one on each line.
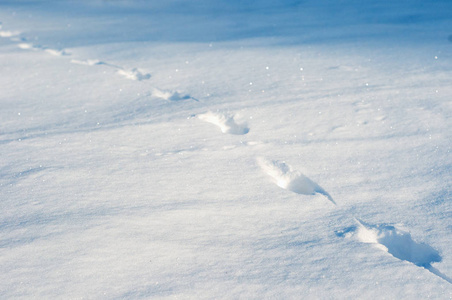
<point>193,149</point>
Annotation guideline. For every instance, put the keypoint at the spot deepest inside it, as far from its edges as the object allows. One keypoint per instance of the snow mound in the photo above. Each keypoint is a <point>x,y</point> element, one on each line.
<point>285,177</point>
<point>226,123</point>
<point>134,74</point>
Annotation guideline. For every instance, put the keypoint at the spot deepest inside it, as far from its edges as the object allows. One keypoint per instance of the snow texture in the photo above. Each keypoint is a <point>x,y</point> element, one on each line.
<point>116,181</point>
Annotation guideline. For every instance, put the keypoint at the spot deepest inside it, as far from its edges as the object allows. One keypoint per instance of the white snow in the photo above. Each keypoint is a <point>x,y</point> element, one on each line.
<point>192,149</point>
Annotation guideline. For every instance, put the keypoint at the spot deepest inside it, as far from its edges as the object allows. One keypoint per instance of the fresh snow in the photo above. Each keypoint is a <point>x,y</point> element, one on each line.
<point>225,149</point>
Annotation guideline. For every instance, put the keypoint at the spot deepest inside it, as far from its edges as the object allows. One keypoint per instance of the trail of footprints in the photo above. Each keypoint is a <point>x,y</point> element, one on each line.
<point>23,43</point>
<point>385,237</point>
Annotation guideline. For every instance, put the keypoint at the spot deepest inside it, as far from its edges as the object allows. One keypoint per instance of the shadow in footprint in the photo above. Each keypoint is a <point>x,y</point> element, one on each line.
<point>286,178</point>
<point>396,242</point>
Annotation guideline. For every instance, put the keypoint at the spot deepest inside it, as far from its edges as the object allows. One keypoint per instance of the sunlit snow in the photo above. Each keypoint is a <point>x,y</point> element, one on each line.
<point>225,149</point>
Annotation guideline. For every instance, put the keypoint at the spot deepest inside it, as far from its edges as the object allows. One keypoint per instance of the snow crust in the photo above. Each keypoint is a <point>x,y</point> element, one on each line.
<point>225,149</point>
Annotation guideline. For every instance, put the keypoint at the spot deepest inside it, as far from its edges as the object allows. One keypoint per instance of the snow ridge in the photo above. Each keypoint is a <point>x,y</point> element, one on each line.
<point>23,43</point>
<point>388,238</point>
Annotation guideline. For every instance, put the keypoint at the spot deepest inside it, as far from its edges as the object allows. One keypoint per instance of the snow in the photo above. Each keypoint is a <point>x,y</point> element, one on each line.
<point>193,149</point>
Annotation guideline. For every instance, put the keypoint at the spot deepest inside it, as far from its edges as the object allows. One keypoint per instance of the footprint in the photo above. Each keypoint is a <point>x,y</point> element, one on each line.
<point>56,52</point>
<point>95,62</point>
<point>29,46</point>
<point>8,34</point>
<point>171,95</point>
<point>88,62</point>
<point>396,242</point>
<point>226,123</point>
<point>285,177</point>
<point>134,74</point>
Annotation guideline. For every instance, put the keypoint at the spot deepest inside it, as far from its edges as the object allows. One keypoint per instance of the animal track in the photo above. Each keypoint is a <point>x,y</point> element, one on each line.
<point>285,177</point>
<point>396,242</point>
<point>226,123</point>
